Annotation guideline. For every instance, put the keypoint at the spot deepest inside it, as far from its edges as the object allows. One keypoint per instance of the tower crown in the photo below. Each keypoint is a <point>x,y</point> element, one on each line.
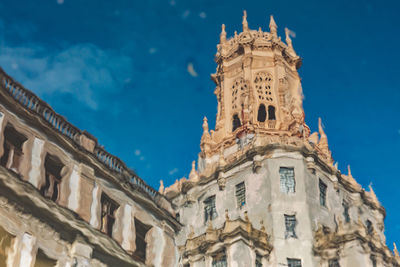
<point>257,86</point>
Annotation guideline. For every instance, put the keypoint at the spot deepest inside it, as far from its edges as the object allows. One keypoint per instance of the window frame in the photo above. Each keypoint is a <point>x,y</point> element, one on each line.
<point>292,262</point>
<point>290,226</point>
<point>109,214</point>
<point>13,148</point>
<point>210,213</point>
<point>240,194</point>
<point>287,183</point>
<point>323,193</point>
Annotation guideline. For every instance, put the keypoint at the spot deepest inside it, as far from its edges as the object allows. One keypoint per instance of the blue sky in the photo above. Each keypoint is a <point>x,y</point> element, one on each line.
<point>119,69</point>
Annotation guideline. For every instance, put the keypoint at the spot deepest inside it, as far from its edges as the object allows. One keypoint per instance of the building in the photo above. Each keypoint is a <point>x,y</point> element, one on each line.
<point>265,191</point>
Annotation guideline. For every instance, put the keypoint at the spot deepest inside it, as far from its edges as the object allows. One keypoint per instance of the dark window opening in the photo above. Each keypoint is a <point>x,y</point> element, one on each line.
<point>219,260</point>
<point>235,122</point>
<point>293,262</point>
<point>52,167</point>
<point>12,155</point>
<point>42,260</point>
<point>333,263</point>
<point>141,244</point>
<point>322,193</point>
<point>210,211</point>
<point>370,228</point>
<point>346,214</point>
<point>258,260</point>
<point>262,113</point>
<point>108,208</point>
<point>271,113</point>
<point>240,193</point>
<point>290,225</point>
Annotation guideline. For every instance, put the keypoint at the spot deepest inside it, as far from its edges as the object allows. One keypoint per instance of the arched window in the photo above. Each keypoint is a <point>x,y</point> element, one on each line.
<point>263,85</point>
<point>262,113</point>
<point>235,122</point>
<point>271,113</point>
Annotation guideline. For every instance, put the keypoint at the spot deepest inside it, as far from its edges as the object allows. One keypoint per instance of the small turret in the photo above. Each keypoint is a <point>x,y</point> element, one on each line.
<point>273,28</point>
<point>222,35</point>
<point>244,21</point>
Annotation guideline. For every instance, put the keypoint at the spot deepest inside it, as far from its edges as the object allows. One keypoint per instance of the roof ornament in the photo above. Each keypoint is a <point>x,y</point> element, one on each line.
<point>273,28</point>
<point>222,36</point>
<point>244,21</point>
<point>323,141</point>
<point>372,194</point>
<point>395,251</point>
<point>193,175</point>
<point>161,188</point>
<point>289,41</point>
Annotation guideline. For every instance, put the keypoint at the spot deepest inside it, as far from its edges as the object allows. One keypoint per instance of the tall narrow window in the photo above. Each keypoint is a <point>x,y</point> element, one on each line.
<point>141,231</point>
<point>333,263</point>
<point>288,184</point>
<point>240,194</point>
<point>13,142</point>
<point>271,113</point>
<point>290,225</point>
<point>370,228</point>
<point>373,260</point>
<point>259,260</point>
<point>108,208</point>
<point>235,122</point>
<point>219,260</point>
<point>262,113</point>
<point>293,262</point>
<point>346,214</point>
<point>52,167</point>
<point>210,211</point>
<point>322,193</point>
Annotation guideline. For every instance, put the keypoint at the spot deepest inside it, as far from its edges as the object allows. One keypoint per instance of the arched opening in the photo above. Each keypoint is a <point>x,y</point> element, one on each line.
<point>271,113</point>
<point>235,122</point>
<point>262,113</point>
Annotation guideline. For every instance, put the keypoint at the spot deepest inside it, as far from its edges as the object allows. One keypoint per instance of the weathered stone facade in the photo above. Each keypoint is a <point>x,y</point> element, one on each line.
<point>265,191</point>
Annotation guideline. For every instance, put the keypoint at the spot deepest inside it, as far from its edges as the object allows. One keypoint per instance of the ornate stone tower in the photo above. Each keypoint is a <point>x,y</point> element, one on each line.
<point>266,192</point>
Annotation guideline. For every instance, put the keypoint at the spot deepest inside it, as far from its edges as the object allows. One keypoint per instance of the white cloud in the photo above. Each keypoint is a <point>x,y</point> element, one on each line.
<point>137,152</point>
<point>173,171</point>
<point>84,70</point>
<point>190,69</point>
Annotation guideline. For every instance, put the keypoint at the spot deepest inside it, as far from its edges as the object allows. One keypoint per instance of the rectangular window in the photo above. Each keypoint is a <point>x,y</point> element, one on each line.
<point>52,167</point>
<point>210,211</point>
<point>12,154</point>
<point>141,244</point>
<point>108,208</point>
<point>240,193</point>
<point>290,225</point>
<point>288,183</point>
<point>322,193</point>
<point>346,214</point>
<point>293,262</point>
<point>258,260</point>
<point>333,263</point>
<point>219,260</point>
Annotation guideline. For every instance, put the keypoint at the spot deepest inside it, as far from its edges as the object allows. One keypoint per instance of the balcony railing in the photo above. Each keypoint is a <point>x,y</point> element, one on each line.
<point>34,104</point>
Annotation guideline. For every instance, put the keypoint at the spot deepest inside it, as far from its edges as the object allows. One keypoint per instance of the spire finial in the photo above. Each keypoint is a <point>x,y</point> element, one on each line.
<point>222,36</point>
<point>323,141</point>
<point>349,171</point>
<point>272,27</point>
<point>205,124</point>
<point>161,188</point>
<point>193,175</point>
<point>288,39</point>
<point>395,251</point>
<point>244,22</point>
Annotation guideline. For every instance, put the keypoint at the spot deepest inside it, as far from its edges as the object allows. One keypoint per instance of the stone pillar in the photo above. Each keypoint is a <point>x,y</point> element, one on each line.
<point>1,133</point>
<point>86,184</point>
<point>155,247</point>
<point>128,229</point>
<point>239,254</point>
<point>35,174</point>
<point>80,253</point>
<point>95,207</point>
<point>25,255</point>
<point>74,188</point>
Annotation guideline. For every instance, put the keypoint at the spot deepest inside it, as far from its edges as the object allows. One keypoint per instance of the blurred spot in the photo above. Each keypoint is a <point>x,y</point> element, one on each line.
<point>14,66</point>
<point>398,131</point>
<point>292,33</point>
<point>173,171</point>
<point>191,70</point>
<point>186,14</point>
<point>152,50</point>
<point>60,2</point>
<point>203,15</point>
<point>128,80</point>
<point>117,12</point>
<point>137,152</point>
<point>148,166</point>
<point>141,158</point>
<point>172,3</point>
